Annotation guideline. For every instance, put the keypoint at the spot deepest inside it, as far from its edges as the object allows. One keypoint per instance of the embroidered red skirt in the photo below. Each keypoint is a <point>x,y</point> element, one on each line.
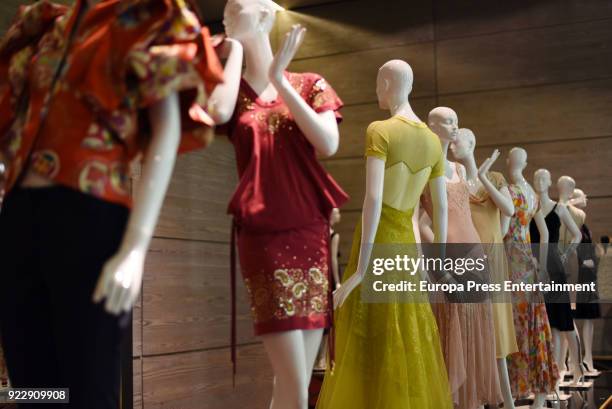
<point>287,277</point>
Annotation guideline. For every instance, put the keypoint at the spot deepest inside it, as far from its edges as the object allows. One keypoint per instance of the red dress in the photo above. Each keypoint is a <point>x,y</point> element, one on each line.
<point>281,208</point>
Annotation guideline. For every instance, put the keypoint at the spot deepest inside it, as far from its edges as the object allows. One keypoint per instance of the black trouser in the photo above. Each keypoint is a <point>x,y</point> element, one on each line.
<point>53,244</point>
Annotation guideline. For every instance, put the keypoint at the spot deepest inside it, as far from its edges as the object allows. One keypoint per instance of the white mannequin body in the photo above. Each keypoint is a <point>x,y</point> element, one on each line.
<point>291,353</point>
<point>393,86</point>
<point>578,199</point>
<point>463,151</point>
<point>516,163</point>
<point>542,183</point>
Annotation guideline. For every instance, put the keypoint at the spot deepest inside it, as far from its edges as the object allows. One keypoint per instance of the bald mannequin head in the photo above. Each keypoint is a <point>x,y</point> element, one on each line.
<point>517,159</point>
<point>565,186</point>
<point>464,146</point>
<point>579,199</point>
<point>394,83</point>
<point>541,180</point>
<point>443,122</point>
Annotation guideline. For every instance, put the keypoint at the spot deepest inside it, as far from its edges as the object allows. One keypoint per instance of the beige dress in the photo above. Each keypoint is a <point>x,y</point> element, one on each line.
<point>486,218</point>
<point>466,330</point>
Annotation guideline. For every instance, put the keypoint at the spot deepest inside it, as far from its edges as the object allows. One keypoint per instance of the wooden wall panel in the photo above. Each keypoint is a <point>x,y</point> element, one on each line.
<point>203,380</point>
<point>561,53</point>
<point>461,19</point>
<point>187,298</point>
<point>358,117</point>
<point>353,75</point>
<point>340,28</point>
<point>137,328</point>
<point>197,198</point>
<point>543,113</point>
<point>137,383</point>
<point>599,217</point>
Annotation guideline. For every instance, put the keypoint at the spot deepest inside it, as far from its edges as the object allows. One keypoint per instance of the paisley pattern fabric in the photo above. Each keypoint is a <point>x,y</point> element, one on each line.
<point>74,83</point>
<point>532,369</point>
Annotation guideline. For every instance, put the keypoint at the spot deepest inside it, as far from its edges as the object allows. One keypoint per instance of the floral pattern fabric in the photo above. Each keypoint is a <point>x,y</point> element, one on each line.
<point>74,81</point>
<point>533,368</point>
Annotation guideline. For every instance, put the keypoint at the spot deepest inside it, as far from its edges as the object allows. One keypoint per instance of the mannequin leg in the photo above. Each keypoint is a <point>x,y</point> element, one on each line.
<point>563,359</point>
<point>572,341</point>
<point>539,401</point>
<point>587,341</point>
<point>502,368</point>
<point>287,354</point>
<point>312,342</point>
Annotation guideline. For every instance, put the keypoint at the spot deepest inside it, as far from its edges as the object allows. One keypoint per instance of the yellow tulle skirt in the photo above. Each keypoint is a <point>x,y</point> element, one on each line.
<point>388,355</point>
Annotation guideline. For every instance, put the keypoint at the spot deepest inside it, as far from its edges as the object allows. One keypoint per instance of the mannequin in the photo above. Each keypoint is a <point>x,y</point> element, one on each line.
<point>470,354</point>
<point>558,305</point>
<point>76,181</point>
<point>529,373</point>
<point>587,308</point>
<point>280,122</point>
<point>366,374</point>
<point>487,201</point>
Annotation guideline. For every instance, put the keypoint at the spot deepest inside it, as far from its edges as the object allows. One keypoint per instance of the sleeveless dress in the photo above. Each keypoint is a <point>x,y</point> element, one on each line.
<point>466,330</point>
<point>388,354</point>
<point>558,305</point>
<point>533,368</point>
<point>587,304</point>
<point>486,218</point>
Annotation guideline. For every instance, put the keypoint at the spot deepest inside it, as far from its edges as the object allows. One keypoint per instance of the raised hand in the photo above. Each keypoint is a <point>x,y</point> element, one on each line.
<point>486,165</point>
<point>282,59</point>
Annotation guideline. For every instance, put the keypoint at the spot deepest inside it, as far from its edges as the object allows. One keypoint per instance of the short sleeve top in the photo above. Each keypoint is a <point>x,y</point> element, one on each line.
<point>282,184</point>
<point>412,155</point>
<point>74,84</point>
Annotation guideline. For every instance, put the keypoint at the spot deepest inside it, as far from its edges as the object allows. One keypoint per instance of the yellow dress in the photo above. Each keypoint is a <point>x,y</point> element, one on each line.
<point>388,355</point>
<point>486,218</point>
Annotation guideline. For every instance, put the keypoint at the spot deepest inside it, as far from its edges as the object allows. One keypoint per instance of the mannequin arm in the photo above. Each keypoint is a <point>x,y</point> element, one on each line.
<point>505,223</point>
<point>335,243</point>
<point>543,229</point>
<point>501,197</point>
<point>437,187</point>
<point>121,277</point>
<point>568,221</point>
<point>222,101</point>
<point>372,207</point>
<point>321,129</point>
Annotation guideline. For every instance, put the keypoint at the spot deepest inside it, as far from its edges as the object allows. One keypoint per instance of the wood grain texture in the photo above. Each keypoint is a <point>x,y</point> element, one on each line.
<point>339,27</point>
<point>542,113</point>
<point>186,295</point>
<point>588,162</point>
<point>599,217</point>
<point>476,17</point>
<point>203,380</point>
<point>196,202</point>
<point>137,383</point>
<point>353,75</point>
<point>358,117</point>
<point>137,328</point>
<point>540,56</point>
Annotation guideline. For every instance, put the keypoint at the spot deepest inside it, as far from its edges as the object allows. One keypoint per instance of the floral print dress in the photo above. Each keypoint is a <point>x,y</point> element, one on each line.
<point>532,369</point>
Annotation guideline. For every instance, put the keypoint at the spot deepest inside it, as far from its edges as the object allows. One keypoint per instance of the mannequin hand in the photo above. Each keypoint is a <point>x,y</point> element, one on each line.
<point>342,293</point>
<point>293,40</point>
<point>225,46</point>
<point>588,263</point>
<point>121,280</point>
<point>338,285</point>
<point>486,165</point>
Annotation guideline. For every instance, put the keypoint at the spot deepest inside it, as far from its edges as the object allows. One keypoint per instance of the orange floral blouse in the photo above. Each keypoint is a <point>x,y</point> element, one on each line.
<point>75,82</point>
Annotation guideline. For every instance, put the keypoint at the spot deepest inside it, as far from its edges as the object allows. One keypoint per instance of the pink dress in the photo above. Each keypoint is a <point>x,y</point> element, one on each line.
<point>466,330</point>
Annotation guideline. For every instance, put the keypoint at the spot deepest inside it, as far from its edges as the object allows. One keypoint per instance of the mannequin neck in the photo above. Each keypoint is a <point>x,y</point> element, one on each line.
<point>404,109</point>
<point>516,176</point>
<point>471,170</point>
<point>258,58</point>
<point>564,200</point>
<point>544,198</point>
